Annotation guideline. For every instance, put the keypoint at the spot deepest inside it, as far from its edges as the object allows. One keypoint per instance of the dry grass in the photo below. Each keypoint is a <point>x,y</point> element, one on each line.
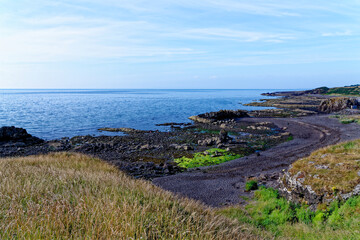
<point>72,196</point>
<point>335,168</point>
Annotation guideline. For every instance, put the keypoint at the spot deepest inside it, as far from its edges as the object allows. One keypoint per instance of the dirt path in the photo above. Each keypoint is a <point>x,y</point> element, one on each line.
<point>224,184</point>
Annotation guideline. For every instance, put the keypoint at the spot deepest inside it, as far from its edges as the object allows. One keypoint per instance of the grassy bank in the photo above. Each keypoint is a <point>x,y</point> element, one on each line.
<point>285,220</point>
<point>348,90</point>
<point>332,170</point>
<point>62,196</point>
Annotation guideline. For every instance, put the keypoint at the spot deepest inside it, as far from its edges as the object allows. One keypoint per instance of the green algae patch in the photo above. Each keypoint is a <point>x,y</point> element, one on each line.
<point>209,157</point>
<point>346,119</point>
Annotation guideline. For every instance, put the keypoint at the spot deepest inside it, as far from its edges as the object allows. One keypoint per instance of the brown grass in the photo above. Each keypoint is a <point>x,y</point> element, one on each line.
<point>342,162</point>
<point>72,196</point>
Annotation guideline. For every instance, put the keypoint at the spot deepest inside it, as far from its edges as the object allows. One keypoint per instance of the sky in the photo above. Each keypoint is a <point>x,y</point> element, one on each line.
<point>225,44</point>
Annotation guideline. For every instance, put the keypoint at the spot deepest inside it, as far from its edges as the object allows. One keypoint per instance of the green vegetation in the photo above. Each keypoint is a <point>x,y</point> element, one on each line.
<point>346,119</point>
<point>209,157</point>
<point>290,138</point>
<point>333,167</point>
<point>348,90</point>
<point>284,219</point>
<point>251,185</point>
<point>72,196</point>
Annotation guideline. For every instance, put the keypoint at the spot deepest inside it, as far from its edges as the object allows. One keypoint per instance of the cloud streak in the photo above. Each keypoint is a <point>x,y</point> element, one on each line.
<point>182,35</point>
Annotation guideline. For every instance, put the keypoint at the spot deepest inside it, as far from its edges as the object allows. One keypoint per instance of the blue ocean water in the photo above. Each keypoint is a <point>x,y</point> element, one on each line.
<point>52,114</point>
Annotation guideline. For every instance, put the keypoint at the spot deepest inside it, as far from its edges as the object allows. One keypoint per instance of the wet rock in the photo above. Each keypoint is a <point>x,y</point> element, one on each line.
<point>185,147</point>
<point>124,130</point>
<point>150,170</point>
<point>223,136</point>
<point>172,124</point>
<point>146,147</point>
<point>209,141</point>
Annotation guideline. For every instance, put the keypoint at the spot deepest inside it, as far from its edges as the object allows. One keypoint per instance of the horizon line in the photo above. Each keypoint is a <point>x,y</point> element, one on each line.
<point>152,88</point>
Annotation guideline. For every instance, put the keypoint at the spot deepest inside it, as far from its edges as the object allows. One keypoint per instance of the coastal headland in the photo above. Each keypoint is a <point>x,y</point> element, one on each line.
<point>290,171</point>
<point>243,145</point>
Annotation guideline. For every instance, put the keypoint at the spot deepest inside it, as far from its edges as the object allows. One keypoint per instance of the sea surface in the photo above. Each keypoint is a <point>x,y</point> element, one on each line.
<point>53,114</point>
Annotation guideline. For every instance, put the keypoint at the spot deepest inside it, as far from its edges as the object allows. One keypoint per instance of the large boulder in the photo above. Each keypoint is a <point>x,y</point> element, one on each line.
<point>339,103</point>
<point>211,117</point>
<point>14,135</point>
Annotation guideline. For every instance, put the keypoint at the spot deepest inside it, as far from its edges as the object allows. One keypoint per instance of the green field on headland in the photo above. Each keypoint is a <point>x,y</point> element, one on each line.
<point>348,90</point>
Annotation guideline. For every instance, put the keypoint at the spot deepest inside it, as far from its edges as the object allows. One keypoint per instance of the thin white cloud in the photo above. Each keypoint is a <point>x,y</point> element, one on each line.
<point>231,34</point>
<point>74,38</point>
<point>337,34</point>
<point>189,33</point>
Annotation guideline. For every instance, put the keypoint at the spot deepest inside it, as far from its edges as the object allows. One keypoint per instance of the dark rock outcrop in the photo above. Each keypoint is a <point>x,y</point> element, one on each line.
<point>17,136</point>
<point>220,115</point>
<point>223,136</point>
<point>151,170</point>
<point>337,104</point>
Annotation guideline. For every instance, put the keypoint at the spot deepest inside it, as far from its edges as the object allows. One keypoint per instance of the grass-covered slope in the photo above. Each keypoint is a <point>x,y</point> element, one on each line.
<point>286,220</point>
<point>331,172</point>
<point>63,196</point>
<point>334,169</point>
<point>347,90</point>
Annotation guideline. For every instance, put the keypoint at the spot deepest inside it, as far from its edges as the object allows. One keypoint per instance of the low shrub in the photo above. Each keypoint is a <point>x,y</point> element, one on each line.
<point>251,185</point>
<point>270,211</point>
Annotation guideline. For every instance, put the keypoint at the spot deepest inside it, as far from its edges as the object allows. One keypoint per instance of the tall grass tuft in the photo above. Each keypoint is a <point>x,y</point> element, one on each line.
<point>72,196</point>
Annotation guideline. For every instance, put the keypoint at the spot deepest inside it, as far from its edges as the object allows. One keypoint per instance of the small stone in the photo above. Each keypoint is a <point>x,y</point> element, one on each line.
<point>321,167</point>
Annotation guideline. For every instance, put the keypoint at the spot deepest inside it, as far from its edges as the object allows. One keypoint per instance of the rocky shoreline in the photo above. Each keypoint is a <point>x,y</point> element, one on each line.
<point>151,154</point>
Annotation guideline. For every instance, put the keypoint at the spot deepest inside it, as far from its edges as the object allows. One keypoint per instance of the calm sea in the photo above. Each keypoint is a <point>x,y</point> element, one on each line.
<point>52,114</point>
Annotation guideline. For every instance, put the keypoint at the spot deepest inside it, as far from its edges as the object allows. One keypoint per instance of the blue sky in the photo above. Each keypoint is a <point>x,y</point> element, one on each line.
<point>179,43</point>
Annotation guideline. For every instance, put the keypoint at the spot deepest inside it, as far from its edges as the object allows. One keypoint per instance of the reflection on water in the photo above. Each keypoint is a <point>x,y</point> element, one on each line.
<point>53,114</point>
